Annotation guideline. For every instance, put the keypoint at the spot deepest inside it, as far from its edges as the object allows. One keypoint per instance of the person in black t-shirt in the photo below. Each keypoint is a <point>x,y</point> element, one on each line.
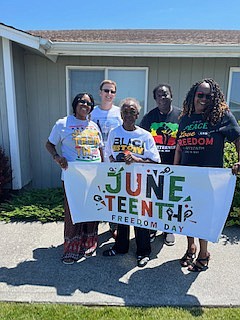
<point>205,123</point>
<point>162,123</point>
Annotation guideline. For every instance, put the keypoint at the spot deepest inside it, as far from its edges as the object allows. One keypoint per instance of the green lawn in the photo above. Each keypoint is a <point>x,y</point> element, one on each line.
<point>12,311</point>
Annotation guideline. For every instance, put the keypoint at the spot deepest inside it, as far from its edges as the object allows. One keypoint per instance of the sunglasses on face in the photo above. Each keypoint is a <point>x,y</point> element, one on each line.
<point>200,95</point>
<point>131,112</point>
<point>162,95</point>
<point>109,91</point>
<point>81,101</point>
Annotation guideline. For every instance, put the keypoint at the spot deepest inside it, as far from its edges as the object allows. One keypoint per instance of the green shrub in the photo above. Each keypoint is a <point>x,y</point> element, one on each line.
<point>234,214</point>
<point>230,157</point>
<point>34,205</point>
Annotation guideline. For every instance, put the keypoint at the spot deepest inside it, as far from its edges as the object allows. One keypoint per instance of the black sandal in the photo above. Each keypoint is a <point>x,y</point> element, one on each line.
<point>198,265</point>
<point>187,259</point>
<point>109,253</point>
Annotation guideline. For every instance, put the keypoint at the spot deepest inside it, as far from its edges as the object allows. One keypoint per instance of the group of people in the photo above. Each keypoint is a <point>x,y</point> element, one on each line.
<point>160,133</point>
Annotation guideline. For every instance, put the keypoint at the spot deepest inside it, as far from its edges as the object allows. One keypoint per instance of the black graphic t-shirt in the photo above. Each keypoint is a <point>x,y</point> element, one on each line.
<point>201,143</point>
<point>163,128</point>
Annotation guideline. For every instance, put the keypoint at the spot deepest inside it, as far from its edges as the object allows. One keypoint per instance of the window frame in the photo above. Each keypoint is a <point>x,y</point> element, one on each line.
<point>106,71</point>
<point>231,71</point>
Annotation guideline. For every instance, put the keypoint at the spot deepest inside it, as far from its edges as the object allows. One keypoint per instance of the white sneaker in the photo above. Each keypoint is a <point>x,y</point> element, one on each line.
<point>169,239</point>
<point>142,261</point>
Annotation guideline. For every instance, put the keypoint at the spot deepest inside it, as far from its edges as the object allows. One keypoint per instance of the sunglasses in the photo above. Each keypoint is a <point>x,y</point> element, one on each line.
<point>81,101</point>
<point>109,91</point>
<point>132,112</point>
<point>162,95</point>
<point>200,95</point>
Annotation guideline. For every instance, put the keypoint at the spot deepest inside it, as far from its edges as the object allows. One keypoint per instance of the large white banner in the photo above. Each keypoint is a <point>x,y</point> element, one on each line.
<point>184,200</point>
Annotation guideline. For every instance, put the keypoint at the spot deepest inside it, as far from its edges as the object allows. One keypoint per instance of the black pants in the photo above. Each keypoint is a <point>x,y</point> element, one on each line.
<point>142,237</point>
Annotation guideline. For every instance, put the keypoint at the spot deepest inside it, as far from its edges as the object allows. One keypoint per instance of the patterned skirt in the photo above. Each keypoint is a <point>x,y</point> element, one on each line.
<point>79,238</point>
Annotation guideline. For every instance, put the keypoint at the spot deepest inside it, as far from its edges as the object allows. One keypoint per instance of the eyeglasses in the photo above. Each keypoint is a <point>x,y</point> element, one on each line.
<point>81,101</point>
<point>200,95</point>
<point>162,95</point>
<point>132,112</point>
<point>109,91</point>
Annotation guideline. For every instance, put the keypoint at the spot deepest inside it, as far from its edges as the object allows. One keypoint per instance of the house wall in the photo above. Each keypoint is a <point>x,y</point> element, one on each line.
<point>22,113</point>
<point>4,137</point>
<point>46,94</point>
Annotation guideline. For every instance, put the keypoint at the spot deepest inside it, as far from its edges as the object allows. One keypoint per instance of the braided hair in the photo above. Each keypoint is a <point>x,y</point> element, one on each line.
<point>215,111</point>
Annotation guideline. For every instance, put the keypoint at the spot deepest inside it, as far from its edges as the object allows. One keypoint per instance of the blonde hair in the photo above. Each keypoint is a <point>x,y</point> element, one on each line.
<point>109,82</point>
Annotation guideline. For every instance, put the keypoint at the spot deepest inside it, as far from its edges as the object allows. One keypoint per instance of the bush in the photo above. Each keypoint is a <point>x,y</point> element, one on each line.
<point>34,205</point>
<point>230,157</point>
<point>5,173</point>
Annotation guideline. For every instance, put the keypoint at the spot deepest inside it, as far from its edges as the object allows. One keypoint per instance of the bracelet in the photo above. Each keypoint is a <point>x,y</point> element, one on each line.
<point>55,155</point>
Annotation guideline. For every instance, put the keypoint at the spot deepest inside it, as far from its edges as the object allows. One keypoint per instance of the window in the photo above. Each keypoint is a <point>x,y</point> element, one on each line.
<point>131,82</point>
<point>233,98</point>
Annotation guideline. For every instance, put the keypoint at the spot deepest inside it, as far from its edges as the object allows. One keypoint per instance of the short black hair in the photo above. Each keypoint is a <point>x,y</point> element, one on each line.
<point>78,98</point>
<point>160,86</point>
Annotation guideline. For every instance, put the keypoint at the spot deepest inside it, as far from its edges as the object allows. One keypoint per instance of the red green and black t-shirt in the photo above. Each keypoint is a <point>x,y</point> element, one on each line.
<point>163,128</point>
<point>201,143</point>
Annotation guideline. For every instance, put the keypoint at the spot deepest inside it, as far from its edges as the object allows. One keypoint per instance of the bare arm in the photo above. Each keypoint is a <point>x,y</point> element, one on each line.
<point>178,155</point>
<point>130,158</point>
<point>111,159</point>
<point>236,166</point>
<point>101,154</point>
<point>51,148</point>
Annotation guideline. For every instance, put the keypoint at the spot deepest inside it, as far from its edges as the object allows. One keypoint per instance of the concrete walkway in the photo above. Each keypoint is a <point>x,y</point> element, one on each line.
<point>31,271</point>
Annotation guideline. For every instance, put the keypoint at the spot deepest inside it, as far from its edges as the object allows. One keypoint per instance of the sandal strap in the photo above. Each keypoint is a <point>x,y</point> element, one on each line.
<point>187,259</point>
<point>189,255</point>
<point>201,267</point>
<point>201,260</point>
<point>109,253</point>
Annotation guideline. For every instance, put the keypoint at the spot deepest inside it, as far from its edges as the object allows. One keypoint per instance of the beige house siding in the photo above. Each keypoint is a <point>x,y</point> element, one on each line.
<point>46,94</point>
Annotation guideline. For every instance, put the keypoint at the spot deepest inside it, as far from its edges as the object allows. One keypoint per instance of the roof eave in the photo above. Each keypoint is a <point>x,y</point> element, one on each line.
<point>143,50</point>
<point>28,40</point>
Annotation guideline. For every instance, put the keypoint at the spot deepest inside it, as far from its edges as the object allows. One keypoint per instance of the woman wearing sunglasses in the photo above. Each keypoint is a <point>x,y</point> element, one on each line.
<point>131,144</point>
<point>205,123</point>
<point>80,140</point>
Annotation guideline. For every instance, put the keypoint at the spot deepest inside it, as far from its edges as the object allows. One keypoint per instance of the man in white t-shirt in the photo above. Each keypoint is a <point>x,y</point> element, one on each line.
<point>107,116</point>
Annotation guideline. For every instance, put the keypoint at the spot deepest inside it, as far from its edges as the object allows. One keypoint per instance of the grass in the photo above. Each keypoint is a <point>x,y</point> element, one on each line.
<point>17,311</point>
<point>44,205</point>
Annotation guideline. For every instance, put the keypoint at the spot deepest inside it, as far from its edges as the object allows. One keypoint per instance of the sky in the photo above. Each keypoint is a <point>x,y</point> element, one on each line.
<point>120,14</point>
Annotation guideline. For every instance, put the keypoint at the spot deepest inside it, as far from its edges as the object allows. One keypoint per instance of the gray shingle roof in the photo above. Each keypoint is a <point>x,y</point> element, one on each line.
<point>160,36</point>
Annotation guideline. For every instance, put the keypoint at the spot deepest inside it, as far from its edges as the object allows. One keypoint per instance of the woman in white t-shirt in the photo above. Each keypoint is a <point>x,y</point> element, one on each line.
<point>80,140</point>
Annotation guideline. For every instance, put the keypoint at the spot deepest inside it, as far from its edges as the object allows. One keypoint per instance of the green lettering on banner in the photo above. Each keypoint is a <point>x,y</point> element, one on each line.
<point>118,183</point>
<point>160,207</point>
<point>132,205</point>
<point>122,204</point>
<point>173,188</point>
